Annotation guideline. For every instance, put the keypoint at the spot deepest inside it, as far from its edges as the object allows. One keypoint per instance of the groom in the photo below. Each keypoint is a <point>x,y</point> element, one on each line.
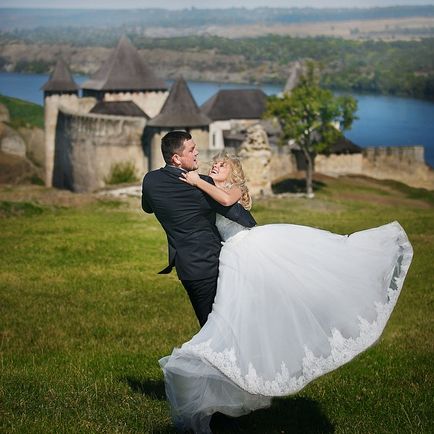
<point>188,217</point>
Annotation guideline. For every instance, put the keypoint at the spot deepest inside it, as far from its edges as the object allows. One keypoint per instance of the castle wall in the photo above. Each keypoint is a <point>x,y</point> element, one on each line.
<point>405,164</point>
<point>200,136</point>
<point>335,165</point>
<point>156,158</point>
<point>88,145</point>
<point>216,140</point>
<point>216,128</point>
<point>52,105</point>
<point>282,163</point>
<point>84,105</point>
<point>150,102</point>
<point>51,110</point>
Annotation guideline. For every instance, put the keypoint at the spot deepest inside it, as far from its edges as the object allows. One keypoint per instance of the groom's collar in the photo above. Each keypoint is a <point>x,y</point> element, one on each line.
<point>174,169</point>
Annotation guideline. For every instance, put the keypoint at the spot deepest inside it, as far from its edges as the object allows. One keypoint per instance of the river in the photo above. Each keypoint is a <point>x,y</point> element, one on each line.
<point>382,120</point>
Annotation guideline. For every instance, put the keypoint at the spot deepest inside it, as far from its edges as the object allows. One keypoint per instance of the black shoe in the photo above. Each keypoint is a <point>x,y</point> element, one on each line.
<point>225,424</point>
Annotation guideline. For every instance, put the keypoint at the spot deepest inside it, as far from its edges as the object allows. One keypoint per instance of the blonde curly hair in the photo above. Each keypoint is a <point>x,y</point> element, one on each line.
<point>236,176</point>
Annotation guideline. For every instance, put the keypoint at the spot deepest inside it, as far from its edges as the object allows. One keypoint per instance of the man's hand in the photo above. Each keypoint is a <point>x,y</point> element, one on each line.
<point>191,178</point>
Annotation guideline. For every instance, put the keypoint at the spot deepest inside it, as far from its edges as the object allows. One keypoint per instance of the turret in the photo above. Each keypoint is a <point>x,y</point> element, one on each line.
<point>179,112</point>
<point>60,81</point>
<point>126,77</point>
<point>60,89</point>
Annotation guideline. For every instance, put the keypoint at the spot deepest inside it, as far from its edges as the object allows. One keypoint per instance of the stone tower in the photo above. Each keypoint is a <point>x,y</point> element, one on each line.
<point>126,77</point>
<point>179,112</point>
<point>255,154</point>
<point>59,90</point>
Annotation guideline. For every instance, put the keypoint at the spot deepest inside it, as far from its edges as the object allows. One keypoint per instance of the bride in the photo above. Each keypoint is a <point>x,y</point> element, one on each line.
<point>293,303</point>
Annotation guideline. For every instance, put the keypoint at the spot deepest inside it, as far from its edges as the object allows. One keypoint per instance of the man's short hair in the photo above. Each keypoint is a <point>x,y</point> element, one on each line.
<point>172,143</point>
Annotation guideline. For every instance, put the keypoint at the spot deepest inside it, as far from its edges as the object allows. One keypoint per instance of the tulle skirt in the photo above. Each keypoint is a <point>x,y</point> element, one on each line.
<point>293,303</point>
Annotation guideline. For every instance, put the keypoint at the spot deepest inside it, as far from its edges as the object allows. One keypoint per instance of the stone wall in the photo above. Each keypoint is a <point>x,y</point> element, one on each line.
<point>150,102</point>
<point>335,165</point>
<point>154,136</point>
<point>255,154</point>
<point>216,129</point>
<point>282,163</point>
<point>88,145</point>
<point>11,142</point>
<point>52,105</point>
<point>405,164</point>
<point>35,144</point>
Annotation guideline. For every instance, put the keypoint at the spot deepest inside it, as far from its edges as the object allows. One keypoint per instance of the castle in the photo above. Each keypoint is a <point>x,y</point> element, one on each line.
<point>121,116</point>
<point>125,109</point>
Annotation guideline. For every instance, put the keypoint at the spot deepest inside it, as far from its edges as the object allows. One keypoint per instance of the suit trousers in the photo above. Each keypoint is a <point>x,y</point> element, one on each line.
<point>201,293</point>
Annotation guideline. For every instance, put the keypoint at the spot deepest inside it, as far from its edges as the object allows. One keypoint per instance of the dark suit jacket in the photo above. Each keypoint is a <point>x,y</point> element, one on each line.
<point>188,217</point>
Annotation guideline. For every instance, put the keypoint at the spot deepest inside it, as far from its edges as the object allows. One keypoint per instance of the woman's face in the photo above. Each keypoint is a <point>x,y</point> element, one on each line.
<point>220,171</point>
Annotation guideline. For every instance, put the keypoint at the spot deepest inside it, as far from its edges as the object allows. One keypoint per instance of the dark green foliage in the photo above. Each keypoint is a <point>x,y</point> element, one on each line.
<point>309,116</point>
<point>23,113</point>
<point>120,173</point>
<point>412,193</point>
<point>14,209</point>
<point>34,66</point>
<point>396,68</point>
<point>36,180</point>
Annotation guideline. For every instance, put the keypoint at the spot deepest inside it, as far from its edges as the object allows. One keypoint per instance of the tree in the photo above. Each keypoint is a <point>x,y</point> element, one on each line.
<point>313,117</point>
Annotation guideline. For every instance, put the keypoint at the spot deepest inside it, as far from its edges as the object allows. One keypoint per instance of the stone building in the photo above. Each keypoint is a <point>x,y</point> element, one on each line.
<point>180,112</point>
<point>86,136</point>
<point>126,77</point>
<point>59,90</point>
<point>231,112</point>
<point>125,109</point>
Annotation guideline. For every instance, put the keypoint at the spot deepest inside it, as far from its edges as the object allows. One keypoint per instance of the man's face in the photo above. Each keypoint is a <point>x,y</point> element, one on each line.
<point>187,159</point>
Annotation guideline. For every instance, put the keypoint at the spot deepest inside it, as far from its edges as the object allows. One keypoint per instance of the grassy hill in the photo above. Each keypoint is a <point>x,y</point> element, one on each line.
<point>23,113</point>
<point>84,317</point>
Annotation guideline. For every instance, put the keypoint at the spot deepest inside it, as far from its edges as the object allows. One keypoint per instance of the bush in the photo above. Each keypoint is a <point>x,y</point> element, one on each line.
<point>13,209</point>
<point>122,173</point>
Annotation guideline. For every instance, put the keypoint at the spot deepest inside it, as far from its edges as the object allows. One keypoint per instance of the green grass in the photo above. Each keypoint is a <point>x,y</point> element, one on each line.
<point>23,113</point>
<point>84,319</point>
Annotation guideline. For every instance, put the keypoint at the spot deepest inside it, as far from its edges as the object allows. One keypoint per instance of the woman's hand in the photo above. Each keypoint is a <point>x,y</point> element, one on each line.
<point>191,178</point>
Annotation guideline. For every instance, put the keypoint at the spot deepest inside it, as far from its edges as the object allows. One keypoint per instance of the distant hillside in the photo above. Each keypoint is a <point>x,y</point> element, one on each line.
<point>23,113</point>
<point>396,68</point>
<point>14,18</point>
<point>385,50</point>
<point>22,146</point>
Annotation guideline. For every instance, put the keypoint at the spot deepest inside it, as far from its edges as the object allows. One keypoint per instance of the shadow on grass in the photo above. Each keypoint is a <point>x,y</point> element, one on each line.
<point>296,415</point>
<point>292,415</point>
<point>294,185</point>
<point>152,388</point>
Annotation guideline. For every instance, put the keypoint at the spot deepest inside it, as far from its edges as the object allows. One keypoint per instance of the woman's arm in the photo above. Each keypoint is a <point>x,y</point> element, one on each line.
<point>223,197</point>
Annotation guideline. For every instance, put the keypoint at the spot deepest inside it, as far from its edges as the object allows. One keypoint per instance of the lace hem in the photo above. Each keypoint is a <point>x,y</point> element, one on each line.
<point>342,349</point>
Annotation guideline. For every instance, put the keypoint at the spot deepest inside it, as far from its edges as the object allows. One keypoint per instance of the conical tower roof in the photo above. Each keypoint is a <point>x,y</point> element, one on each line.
<point>60,80</point>
<point>124,70</point>
<point>180,109</point>
<point>235,104</point>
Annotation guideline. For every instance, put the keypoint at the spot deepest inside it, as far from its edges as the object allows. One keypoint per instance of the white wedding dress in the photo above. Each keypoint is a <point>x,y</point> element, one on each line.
<point>293,303</point>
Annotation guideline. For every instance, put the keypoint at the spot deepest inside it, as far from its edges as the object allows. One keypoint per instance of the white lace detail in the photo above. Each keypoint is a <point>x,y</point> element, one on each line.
<point>342,349</point>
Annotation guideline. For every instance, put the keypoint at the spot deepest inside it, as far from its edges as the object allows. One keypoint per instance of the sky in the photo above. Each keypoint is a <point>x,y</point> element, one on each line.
<point>203,4</point>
